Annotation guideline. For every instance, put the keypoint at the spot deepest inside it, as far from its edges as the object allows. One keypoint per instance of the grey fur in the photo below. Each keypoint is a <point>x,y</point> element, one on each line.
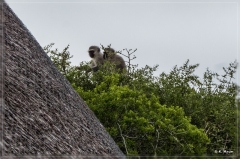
<point>97,57</point>
<point>110,55</point>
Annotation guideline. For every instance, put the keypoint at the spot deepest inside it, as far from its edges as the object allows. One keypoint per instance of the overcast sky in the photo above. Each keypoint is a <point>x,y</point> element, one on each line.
<point>166,33</point>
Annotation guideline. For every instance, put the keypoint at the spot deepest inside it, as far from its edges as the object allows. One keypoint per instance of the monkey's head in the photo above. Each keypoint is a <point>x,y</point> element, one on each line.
<point>92,50</point>
<point>108,53</point>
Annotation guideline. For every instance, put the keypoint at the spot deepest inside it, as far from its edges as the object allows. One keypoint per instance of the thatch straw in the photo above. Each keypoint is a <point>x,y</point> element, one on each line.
<point>43,115</point>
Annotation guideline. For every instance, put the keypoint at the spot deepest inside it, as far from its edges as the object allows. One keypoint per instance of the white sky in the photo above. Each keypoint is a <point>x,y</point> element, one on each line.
<point>165,32</point>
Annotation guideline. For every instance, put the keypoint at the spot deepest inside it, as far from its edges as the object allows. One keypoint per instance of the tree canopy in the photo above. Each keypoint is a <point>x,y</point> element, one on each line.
<point>175,113</point>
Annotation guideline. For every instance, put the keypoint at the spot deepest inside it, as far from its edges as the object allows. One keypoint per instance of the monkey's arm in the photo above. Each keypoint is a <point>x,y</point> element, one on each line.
<point>93,66</point>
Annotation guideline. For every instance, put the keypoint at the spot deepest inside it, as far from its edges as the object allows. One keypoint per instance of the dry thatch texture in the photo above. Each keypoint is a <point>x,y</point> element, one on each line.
<point>43,115</point>
<point>1,77</point>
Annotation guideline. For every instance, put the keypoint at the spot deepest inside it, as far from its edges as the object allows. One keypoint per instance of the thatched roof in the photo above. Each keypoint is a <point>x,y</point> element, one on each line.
<point>41,113</point>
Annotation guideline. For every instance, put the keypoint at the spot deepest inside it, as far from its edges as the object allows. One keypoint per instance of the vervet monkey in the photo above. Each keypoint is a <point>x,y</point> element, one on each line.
<point>97,57</point>
<point>110,55</point>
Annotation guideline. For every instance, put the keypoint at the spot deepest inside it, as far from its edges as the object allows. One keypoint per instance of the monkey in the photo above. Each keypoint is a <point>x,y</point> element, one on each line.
<point>97,57</point>
<point>110,55</point>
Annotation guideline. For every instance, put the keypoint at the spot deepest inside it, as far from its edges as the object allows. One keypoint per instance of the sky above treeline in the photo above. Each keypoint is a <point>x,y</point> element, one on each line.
<point>166,33</point>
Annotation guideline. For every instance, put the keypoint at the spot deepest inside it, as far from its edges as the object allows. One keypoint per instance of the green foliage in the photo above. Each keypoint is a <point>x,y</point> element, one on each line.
<point>139,124</point>
<point>176,113</point>
<point>60,59</point>
<point>210,102</point>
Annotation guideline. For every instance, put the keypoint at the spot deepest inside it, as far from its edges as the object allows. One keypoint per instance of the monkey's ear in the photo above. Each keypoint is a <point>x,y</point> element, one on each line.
<point>98,49</point>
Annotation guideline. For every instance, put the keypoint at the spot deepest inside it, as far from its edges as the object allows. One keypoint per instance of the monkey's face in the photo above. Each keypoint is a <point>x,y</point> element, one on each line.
<point>105,55</point>
<point>108,53</point>
<point>93,50</point>
<point>91,53</point>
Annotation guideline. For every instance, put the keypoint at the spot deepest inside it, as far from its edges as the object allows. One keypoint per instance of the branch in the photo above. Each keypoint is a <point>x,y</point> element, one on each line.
<point>124,142</point>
